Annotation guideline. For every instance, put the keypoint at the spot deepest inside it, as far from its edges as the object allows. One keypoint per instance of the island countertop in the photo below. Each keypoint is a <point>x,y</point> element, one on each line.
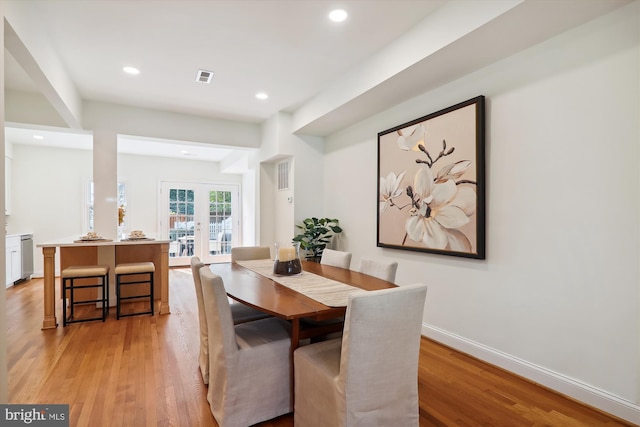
<point>104,252</point>
<point>71,242</point>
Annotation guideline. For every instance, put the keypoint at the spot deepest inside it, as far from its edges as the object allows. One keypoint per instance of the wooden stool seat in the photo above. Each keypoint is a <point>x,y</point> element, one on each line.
<point>133,269</point>
<point>76,272</point>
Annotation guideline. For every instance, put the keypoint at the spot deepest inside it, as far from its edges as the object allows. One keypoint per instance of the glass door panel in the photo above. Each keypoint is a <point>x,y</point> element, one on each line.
<point>182,222</point>
<point>220,223</point>
<point>200,221</point>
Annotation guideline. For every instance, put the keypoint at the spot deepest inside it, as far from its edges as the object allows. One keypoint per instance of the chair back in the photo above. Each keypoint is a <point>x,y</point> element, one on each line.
<point>336,258</point>
<point>244,253</point>
<point>222,336</point>
<point>380,350</point>
<point>250,364</point>
<point>381,270</point>
<point>203,358</point>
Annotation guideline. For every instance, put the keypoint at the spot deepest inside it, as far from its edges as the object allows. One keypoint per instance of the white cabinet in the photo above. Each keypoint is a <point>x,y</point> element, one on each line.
<point>14,260</point>
<point>7,185</point>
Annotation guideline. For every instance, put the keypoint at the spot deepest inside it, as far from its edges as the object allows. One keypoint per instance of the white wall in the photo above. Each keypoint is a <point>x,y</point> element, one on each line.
<point>557,299</point>
<point>267,208</point>
<point>142,175</point>
<point>303,198</point>
<point>48,190</point>
<point>47,193</point>
<point>4,396</point>
<point>148,123</point>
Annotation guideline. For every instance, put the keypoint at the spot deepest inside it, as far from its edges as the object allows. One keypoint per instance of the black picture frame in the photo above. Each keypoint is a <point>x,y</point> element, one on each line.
<point>431,183</point>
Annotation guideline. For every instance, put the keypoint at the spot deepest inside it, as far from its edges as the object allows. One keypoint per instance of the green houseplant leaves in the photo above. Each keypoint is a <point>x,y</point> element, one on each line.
<point>315,235</point>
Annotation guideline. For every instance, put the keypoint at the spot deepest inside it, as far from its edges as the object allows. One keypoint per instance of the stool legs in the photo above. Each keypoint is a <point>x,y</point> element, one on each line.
<point>120,283</point>
<point>68,284</point>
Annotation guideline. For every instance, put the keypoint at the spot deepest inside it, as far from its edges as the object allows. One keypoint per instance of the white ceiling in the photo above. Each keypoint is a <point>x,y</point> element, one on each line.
<point>286,48</point>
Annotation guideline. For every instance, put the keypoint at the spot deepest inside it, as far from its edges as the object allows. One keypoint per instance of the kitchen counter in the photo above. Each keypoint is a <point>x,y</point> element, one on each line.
<point>72,242</point>
<point>19,234</point>
<point>109,253</point>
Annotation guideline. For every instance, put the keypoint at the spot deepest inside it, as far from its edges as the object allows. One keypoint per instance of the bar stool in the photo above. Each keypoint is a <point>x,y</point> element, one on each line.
<point>72,273</point>
<point>133,269</point>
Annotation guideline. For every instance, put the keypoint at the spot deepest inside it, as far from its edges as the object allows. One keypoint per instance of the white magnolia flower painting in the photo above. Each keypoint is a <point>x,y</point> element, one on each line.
<point>431,183</point>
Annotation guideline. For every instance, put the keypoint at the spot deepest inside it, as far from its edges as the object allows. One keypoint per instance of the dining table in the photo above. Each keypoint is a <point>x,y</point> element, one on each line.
<point>314,301</point>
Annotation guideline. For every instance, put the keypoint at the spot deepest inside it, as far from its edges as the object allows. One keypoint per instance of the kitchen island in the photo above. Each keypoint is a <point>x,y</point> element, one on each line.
<point>105,252</point>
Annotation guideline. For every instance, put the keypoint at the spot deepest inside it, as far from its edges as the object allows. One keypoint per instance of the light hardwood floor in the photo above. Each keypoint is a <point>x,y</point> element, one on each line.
<point>143,371</point>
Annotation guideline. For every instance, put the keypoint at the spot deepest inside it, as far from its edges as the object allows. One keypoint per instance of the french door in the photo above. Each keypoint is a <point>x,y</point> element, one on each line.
<point>200,220</point>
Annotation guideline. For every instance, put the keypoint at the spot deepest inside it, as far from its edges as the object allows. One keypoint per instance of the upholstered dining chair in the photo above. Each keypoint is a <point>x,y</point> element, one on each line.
<point>380,269</point>
<point>244,253</point>
<point>369,377</point>
<point>336,258</point>
<point>250,377</point>
<point>239,312</point>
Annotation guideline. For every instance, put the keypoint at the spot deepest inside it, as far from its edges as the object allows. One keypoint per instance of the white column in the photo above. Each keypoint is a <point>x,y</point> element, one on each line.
<point>4,395</point>
<point>105,183</point>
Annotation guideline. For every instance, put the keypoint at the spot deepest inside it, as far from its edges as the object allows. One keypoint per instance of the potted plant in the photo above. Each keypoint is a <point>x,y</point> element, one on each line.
<point>315,235</point>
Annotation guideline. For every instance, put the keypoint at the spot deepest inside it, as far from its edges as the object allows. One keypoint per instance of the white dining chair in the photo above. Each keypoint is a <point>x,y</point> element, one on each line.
<point>250,377</point>
<point>380,269</point>
<point>239,312</point>
<point>369,377</point>
<point>336,258</point>
<point>244,253</point>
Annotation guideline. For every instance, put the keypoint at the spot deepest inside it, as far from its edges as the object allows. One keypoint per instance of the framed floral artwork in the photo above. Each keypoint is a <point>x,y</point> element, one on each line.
<point>431,193</point>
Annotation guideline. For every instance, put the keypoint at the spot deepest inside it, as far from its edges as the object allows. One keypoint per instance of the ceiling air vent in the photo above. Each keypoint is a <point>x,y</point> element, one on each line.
<point>204,76</point>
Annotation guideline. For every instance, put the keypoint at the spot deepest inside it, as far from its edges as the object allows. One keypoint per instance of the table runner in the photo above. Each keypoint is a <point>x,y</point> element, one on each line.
<point>326,291</point>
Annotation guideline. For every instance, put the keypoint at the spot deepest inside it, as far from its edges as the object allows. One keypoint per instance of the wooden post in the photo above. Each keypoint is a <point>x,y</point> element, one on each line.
<point>164,272</point>
<point>49,321</point>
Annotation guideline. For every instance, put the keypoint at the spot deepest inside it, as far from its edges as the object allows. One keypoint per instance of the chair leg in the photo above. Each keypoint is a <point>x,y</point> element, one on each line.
<point>71,303</point>
<point>118,297</point>
<point>151,291</point>
<point>64,302</point>
<point>105,297</point>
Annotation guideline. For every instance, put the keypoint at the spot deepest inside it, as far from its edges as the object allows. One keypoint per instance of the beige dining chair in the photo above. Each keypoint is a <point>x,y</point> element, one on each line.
<point>336,258</point>
<point>239,312</point>
<point>380,269</point>
<point>250,377</point>
<point>244,253</point>
<point>369,377</point>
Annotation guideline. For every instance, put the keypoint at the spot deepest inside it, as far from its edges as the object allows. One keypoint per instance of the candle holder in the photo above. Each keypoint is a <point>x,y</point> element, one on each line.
<point>287,261</point>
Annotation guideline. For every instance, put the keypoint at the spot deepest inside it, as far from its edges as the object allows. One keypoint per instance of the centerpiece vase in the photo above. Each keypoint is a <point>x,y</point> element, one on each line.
<point>287,260</point>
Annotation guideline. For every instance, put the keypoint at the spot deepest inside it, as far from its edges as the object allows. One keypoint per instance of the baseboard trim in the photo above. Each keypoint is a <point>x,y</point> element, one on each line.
<point>577,390</point>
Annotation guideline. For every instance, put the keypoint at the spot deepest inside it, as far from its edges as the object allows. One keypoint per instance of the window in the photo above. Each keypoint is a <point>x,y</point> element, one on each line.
<point>122,202</point>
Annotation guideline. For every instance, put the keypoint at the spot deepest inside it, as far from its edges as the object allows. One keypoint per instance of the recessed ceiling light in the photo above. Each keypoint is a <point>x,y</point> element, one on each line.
<point>131,70</point>
<point>38,137</point>
<point>262,95</point>
<point>338,15</point>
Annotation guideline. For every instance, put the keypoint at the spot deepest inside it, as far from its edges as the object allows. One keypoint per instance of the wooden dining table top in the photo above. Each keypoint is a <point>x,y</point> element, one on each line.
<point>266,294</point>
